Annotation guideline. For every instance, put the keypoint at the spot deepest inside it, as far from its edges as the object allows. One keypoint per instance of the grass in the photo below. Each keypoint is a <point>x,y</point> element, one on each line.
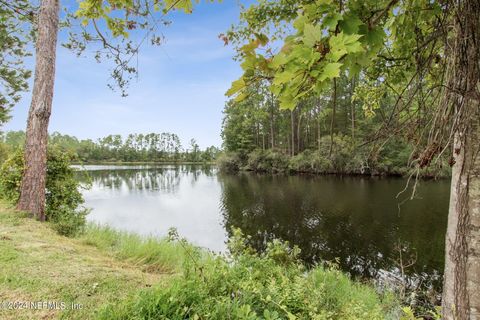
<point>117,275</point>
<point>150,254</point>
<point>102,267</point>
<point>250,286</point>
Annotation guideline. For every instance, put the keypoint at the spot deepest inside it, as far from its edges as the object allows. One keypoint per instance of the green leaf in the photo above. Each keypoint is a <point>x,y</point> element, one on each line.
<point>299,23</point>
<point>185,5</point>
<point>311,34</point>
<point>283,77</point>
<point>250,47</point>
<point>242,96</point>
<point>350,24</point>
<point>237,85</point>
<point>330,71</point>
<point>375,38</point>
<point>334,56</point>
<point>354,70</point>
<point>287,103</point>
<point>249,62</point>
<point>331,20</point>
<point>351,38</point>
<point>279,60</point>
<point>341,44</point>
<point>355,47</point>
<point>336,42</point>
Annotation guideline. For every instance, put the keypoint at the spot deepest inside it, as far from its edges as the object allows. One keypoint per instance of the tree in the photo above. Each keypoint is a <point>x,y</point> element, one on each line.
<point>194,151</point>
<point>114,45</point>
<point>461,297</point>
<point>403,48</point>
<point>14,139</point>
<point>32,193</point>
<point>14,36</point>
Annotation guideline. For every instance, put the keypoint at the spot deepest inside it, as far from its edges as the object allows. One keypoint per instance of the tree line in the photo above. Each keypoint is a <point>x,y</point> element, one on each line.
<point>321,134</point>
<point>151,147</point>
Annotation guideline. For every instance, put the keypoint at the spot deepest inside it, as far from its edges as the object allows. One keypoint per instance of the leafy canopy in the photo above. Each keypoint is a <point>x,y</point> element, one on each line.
<point>14,36</point>
<point>330,38</point>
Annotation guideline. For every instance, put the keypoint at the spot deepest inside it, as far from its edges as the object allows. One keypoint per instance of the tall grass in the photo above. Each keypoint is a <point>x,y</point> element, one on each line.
<point>247,285</point>
<point>151,253</point>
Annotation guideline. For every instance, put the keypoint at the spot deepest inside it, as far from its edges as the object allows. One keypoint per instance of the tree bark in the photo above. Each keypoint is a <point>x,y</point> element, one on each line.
<point>319,135</point>
<point>299,135</point>
<point>461,292</point>
<point>32,192</point>
<point>319,127</point>
<point>461,297</point>
<point>263,140</point>
<point>352,105</point>
<point>292,129</point>
<point>272,121</point>
<point>334,111</point>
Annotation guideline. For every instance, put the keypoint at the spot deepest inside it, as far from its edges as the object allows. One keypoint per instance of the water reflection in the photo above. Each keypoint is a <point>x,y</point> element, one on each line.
<point>150,199</point>
<point>354,221</point>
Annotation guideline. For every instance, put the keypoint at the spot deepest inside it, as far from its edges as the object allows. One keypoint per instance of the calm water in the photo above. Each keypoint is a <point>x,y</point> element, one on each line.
<point>358,222</point>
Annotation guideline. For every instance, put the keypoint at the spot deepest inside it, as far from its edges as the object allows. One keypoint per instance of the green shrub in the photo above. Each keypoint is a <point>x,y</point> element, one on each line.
<point>267,161</point>
<point>247,285</point>
<point>256,160</point>
<point>63,198</point>
<point>302,162</point>
<point>311,162</point>
<point>11,176</point>
<point>438,169</point>
<point>321,164</point>
<point>391,158</point>
<point>276,161</point>
<point>229,162</point>
<point>358,163</point>
<point>4,151</point>
<point>342,152</point>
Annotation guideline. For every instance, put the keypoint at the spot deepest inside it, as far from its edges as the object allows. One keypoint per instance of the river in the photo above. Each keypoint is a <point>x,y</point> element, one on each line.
<point>358,222</point>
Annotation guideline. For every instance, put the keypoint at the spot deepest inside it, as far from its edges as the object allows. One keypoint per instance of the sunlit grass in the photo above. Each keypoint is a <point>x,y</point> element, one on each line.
<point>119,275</point>
<point>150,253</point>
<point>37,264</point>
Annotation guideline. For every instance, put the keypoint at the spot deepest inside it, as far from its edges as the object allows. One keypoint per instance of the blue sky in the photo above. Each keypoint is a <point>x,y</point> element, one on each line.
<point>180,87</point>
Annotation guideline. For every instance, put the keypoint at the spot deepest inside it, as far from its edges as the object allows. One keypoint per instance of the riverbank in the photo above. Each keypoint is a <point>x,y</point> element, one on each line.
<point>113,275</point>
<point>38,265</point>
<point>133,163</point>
<point>314,162</point>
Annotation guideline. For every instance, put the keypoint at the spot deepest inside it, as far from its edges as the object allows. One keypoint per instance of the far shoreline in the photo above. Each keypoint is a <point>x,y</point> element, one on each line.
<point>286,173</point>
<point>126,163</point>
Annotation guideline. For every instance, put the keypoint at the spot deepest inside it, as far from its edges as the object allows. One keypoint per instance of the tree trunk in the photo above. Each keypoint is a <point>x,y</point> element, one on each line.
<point>461,298</point>
<point>299,135</point>
<point>272,121</point>
<point>334,111</point>
<point>319,135</point>
<point>32,192</point>
<point>352,105</point>
<point>263,140</point>
<point>292,129</point>
<point>461,292</point>
<point>319,128</point>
